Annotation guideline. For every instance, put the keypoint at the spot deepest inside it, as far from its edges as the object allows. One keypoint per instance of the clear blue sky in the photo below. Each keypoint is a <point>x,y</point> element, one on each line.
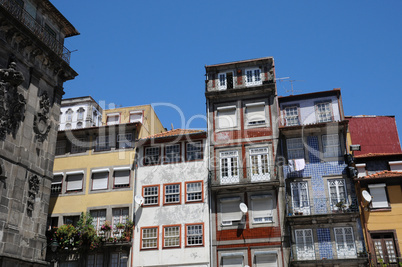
<point>142,52</point>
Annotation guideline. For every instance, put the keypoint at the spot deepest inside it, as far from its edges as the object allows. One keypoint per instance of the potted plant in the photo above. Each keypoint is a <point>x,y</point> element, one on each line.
<point>120,226</point>
<point>106,226</point>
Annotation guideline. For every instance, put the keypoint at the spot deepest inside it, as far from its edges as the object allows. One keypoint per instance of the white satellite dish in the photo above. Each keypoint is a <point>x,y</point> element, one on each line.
<point>139,200</point>
<point>366,195</point>
<point>243,207</point>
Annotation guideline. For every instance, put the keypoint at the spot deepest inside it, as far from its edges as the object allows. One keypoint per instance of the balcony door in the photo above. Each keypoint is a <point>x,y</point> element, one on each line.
<point>259,164</point>
<point>337,193</point>
<point>304,244</point>
<point>385,248</point>
<point>229,167</point>
<point>345,243</point>
<point>300,200</point>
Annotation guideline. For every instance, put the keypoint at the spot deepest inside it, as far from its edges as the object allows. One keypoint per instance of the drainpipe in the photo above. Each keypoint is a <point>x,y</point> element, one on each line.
<point>209,186</point>
<point>135,168</point>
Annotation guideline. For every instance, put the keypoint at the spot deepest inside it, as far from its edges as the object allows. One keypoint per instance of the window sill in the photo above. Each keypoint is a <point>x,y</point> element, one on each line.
<point>380,209</point>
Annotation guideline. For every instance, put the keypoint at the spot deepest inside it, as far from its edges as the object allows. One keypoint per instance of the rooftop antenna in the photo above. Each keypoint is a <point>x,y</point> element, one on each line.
<point>287,79</point>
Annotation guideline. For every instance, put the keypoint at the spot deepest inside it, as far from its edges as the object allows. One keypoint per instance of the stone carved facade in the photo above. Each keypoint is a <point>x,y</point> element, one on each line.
<point>12,103</point>
<point>42,124</point>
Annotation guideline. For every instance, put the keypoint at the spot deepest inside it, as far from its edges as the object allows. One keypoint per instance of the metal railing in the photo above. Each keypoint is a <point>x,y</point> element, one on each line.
<point>232,176</point>
<point>320,206</point>
<point>326,251</point>
<point>37,29</point>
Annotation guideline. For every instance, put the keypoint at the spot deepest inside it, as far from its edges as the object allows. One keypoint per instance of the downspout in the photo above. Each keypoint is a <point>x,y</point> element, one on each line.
<point>135,168</point>
<point>368,245</point>
<point>209,187</point>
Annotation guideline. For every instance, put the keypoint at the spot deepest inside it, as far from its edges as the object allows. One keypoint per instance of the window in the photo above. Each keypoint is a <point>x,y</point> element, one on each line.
<point>232,259</point>
<point>68,126</point>
<point>124,140</point>
<point>253,77</point>
<point>69,115</point>
<point>304,244</point>
<point>194,151</point>
<point>74,181</point>
<point>171,236</point>
<point>100,179</point>
<point>118,259</point>
<point>255,113</point>
<point>300,200</point>
<point>112,119</point>
<point>56,184</point>
<point>262,208</point>
<point>259,164</point>
<point>80,114</point>
<point>136,116</point>
<point>152,155</point>
<point>292,116</point>
<point>230,211</point>
<point>194,235</point>
<point>95,260</point>
<point>49,32</point>
<point>226,117</point>
<point>121,177</point>
<point>265,259</point>
<point>172,153</point>
<point>295,148</point>
<point>345,243</point>
<point>151,195</point>
<point>99,218</point>
<point>194,192</point>
<point>337,193</point>
<point>79,125</point>
<point>61,147</point>
<point>52,222</point>
<point>385,247</point>
<point>78,145</point>
<point>120,215</point>
<point>331,145</point>
<point>73,220</point>
<point>379,194</point>
<point>149,238</point>
<point>225,80</point>
<point>229,167</point>
<point>323,112</point>
<point>172,194</point>
<point>102,143</point>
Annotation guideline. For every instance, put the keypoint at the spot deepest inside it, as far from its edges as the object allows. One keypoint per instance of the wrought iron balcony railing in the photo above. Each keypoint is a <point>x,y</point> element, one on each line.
<point>232,176</point>
<point>318,251</point>
<point>320,206</point>
<point>36,28</point>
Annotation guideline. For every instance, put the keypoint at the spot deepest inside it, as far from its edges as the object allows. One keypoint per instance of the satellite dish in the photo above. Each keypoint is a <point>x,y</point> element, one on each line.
<point>139,200</point>
<point>243,207</point>
<point>366,195</point>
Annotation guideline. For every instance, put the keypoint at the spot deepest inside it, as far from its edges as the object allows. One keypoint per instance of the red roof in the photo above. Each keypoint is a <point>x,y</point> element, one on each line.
<point>375,134</point>
<point>175,132</point>
<point>383,174</point>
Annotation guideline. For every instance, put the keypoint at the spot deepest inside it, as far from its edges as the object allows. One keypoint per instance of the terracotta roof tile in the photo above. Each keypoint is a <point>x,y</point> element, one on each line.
<point>377,155</point>
<point>175,132</point>
<point>383,174</point>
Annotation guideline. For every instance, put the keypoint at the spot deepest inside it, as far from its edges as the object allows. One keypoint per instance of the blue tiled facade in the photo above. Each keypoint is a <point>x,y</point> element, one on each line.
<point>324,243</point>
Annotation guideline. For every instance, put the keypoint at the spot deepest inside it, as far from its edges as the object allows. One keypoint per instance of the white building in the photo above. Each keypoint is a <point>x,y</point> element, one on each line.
<point>79,112</point>
<point>172,222</point>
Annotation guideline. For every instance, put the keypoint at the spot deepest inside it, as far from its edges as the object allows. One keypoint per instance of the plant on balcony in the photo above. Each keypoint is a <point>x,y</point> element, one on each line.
<point>120,226</point>
<point>341,206</point>
<point>106,226</point>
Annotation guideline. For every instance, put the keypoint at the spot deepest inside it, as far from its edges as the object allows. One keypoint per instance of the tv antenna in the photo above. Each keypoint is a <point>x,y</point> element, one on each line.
<point>287,79</point>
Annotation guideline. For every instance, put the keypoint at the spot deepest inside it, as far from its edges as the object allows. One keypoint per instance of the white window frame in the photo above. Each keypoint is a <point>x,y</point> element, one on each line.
<point>112,115</point>
<point>253,116</point>
<point>331,148</point>
<point>223,80</point>
<point>291,115</point>
<point>229,166</point>
<point>77,183</point>
<point>259,164</point>
<point>122,182</point>
<point>194,193</point>
<point>230,211</point>
<point>80,114</point>
<point>335,196</point>
<point>324,111</point>
<point>300,197</point>
<point>253,77</point>
<point>171,237</point>
<point>119,215</point>
<point>69,115</point>
<point>151,196</point>
<point>345,242</point>
<point>379,193</point>
<point>266,258</point>
<point>146,241</point>
<point>194,150</point>
<point>174,153</point>
<point>295,149</point>
<point>262,216</point>
<point>233,259</point>
<point>136,119</point>
<point>99,218</point>
<point>172,193</point>
<point>304,246</point>
<point>222,116</point>
<point>57,183</point>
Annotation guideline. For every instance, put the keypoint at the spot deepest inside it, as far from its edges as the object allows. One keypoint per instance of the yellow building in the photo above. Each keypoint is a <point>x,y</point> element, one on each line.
<point>93,173</point>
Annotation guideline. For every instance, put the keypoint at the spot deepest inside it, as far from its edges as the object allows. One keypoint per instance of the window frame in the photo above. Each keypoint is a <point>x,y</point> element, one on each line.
<point>121,219</point>
<point>270,209</point>
<point>82,181</point>
<point>318,112</point>
<point>175,157</point>
<point>165,203</point>
<point>164,236</point>
<point>95,259</point>
<point>106,144</point>
<point>234,219</point>
<point>74,218</point>
<point>380,235</point>
<point>378,186</point>
<point>124,141</point>
<point>120,255</point>
<point>98,171</point>
<point>80,114</point>
<point>69,115</point>
<point>135,112</point>
<point>255,123</point>
<point>325,147</point>
<point>262,172</point>
<point>121,169</point>
<point>187,235</point>
<point>231,168</point>
<point>142,238</point>
<point>225,109</point>
<point>110,115</point>
<point>295,149</point>
<point>297,116</point>
<point>254,80</point>
<point>145,163</point>
<point>345,243</point>
<point>338,192</point>
<point>225,79</point>
<point>99,221</point>
<point>305,244</point>
<point>145,197</point>
<point>200,152</point>
<point>59,191</point>
<point>301,207</point>
<point>78,145</point>
<point>186,192</point>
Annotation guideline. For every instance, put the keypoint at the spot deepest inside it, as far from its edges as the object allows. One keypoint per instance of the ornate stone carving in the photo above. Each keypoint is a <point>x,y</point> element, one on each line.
<point>12,103</point>
<point>41,121</point>
<point>32,192</point>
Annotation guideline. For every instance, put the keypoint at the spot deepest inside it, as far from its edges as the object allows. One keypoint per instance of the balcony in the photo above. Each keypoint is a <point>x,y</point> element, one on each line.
<point>242,176</point>
<point>320,206</point>
<point>37,29</point>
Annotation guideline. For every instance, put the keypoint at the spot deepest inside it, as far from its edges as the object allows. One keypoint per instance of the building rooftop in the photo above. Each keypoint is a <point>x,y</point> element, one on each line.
<point>382,174</point>
<point>174,133</point>
<point>335,91</point>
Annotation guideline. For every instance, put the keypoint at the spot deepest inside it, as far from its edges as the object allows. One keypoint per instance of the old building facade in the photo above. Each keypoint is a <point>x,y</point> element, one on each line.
<point>34,65</point>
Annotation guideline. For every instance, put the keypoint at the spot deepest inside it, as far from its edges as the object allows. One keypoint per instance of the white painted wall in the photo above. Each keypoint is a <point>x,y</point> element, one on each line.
<point>89,111</point>
<point>172,214</point>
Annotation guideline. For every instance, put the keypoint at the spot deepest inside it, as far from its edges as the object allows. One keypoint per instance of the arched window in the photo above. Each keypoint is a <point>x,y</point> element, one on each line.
<point>69,115</point>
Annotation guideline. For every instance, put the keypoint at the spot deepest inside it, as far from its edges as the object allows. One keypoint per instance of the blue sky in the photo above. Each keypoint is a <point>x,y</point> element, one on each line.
<point>141,52</point>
